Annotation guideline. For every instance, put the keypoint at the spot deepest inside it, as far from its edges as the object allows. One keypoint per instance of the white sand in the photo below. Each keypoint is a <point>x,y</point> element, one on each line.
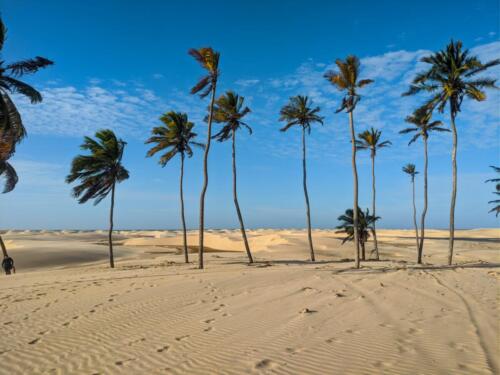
<point>65,312</point>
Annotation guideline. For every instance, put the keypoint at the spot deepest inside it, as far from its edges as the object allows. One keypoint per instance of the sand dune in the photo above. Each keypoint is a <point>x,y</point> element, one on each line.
<point>65,312</point>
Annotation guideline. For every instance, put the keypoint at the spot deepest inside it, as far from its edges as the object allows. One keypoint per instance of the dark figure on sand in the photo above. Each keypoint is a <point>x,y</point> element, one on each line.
<point>8,265</point>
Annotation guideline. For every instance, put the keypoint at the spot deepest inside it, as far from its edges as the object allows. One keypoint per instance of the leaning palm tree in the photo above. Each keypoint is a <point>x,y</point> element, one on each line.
<point>495,209</point>
<point>299,112</point>
<point>410,170</point>
<point>174,137</point>
<point>451,78</point>
<point>370,140</point>
<point>12,130</point>
<point>346,79</point>
<point>99,172</point>
<point>209,60</point>
<point>420,119</point>
<point>365,222</point>
<point>229,111</point>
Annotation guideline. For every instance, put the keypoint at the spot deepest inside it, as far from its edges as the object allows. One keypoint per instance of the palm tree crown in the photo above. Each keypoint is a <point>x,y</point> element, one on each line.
<point>370,140</point>
<point>346,79</point>
<point>421,118</point>
<point>299,112</point>
<point>450,78</point>
<point>209,60</point>
<point>365,221</point>
<point>174,137</point>
<point>99,171</point>
<point>411,170</point>
<point>229,110</point>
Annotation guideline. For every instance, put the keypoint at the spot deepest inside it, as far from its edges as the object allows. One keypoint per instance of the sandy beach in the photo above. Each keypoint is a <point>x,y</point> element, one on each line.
<point>66,312</point>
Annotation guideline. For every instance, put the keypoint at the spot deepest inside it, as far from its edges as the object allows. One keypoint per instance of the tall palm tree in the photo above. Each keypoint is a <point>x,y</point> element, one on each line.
<point>365,222</point>
<point>495,209</point>
<point>174,137</point>
<point>99,172</point>
<point>12,130</point>
<point>229,111</point>
<point>209,60</point>
<point>420,119</point>
<point>299,112</point>
<point>410,170</point>
<point>450,79</point>
<point>346,80</point>
<point>370,140</point>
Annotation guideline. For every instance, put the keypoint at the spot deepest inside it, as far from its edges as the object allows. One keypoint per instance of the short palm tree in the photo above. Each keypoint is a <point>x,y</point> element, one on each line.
<point>365,222</point>
<point>410,170</point>
<point>420,119</point>
<point>229,111</point>
<point>450,79</point>
<point>209,60</point>
<point>299,112</point>
<point>346,80</point>
<point>495,209</point>
<point>12,130</point>
<point>98,173</point>
<point>370,140</point>
<point>174,137</point>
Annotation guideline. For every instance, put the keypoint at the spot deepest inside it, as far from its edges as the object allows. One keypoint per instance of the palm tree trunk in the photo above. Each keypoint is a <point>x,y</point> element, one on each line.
<point>4,249</point>
<point>237,205</point>
<point>184,234</point>
<point>415,212</point>
<point>424,211</point>
<point>355,178</point>
<point>205,178</point>
<point>110,233</point>
<point>454,187</point>
<point>373,206</point>
<point>308,209</point>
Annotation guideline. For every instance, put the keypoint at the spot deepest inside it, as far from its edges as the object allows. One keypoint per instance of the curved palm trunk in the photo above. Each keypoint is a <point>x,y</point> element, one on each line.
<point>454,189</point>
<point>237,205</point>
<point>110,233</point>
<point>415,212</point>
<point>184,234</point>
<point>355,178</point>
<point>4,249</point>
<point>373,205</point>
<point>308,210</point>
<point>205,178</point>
<point>424,211</point>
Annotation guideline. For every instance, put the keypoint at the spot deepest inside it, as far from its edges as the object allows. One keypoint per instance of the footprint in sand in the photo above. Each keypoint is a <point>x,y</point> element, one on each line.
<point>265,364</point>
<point>33,342</point>
<point>180,338</point>
<point>293,350</point>
<point>163,349</point>
<point>208,321</point>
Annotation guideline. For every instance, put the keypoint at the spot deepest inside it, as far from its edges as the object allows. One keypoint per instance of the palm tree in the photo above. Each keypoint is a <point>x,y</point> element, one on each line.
<point>365,222</point>
<point>175,137</point>
<point>412,172</point>
<point>209,60</point>
<point>229,110</point>
<point>299,112</point>
<point>370,140</point>
<point>99,172</point>
<point>12,130</point>
<point>422,127</point>
<point>495,209</point>
<point>346,79</point>
<point>451,78</point>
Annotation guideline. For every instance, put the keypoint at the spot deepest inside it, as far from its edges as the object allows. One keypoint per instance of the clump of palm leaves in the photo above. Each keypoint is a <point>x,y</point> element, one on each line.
<point>495,209</point>
<point>299,112</point>
<point>346,80</point>
<point>209,60</point>
<point>451,78</point>
<point>370,140</point>
<point>364,225</point>
<point>229,110</point>
<point>98,173</point>
<point>175,137</point>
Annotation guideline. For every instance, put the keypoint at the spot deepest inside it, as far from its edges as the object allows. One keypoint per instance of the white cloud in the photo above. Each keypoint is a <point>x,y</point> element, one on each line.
<point>247,82</point>
<point>158,76</point>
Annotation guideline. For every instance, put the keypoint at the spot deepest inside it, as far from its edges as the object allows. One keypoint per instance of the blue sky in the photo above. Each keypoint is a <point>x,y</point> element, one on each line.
<point>121,64</point>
